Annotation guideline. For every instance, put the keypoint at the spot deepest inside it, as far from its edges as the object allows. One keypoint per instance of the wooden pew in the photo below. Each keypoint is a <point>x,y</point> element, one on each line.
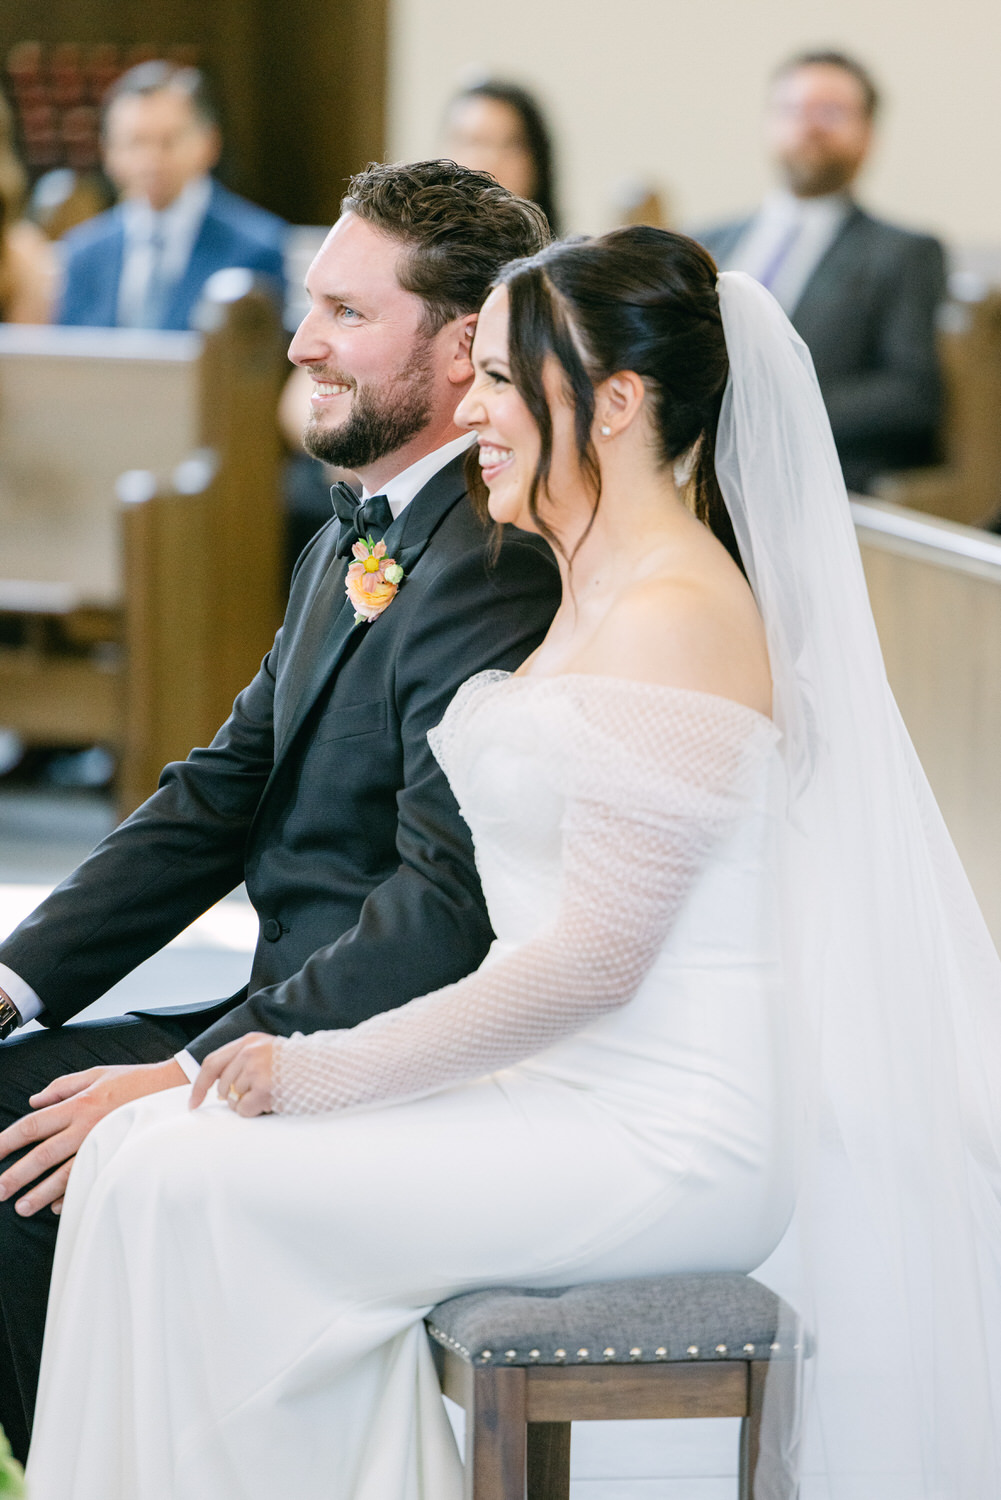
<point>935,588</point>
<point>140,528</point>
<point>966,487</point>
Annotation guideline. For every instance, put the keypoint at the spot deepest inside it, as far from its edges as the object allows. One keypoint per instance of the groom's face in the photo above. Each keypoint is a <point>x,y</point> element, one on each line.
<point>376,383</point>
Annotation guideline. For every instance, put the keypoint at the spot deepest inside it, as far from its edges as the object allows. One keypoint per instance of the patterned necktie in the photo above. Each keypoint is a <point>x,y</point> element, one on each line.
<point>154,301</point>
<point>359,518</point>
<point>779,256</point>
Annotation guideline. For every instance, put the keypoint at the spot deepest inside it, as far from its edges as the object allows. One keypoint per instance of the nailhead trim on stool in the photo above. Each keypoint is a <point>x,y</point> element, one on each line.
<point>697,1316</point>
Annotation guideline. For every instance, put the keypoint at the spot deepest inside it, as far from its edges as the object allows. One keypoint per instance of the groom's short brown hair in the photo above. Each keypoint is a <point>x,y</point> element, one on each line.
<point>460,228</point>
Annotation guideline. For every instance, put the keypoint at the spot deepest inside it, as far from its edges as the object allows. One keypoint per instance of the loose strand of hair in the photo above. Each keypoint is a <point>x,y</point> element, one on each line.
<point>707,496</point>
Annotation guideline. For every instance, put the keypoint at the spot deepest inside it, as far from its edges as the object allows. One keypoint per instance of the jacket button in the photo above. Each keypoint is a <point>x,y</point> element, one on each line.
<point>272,930</point>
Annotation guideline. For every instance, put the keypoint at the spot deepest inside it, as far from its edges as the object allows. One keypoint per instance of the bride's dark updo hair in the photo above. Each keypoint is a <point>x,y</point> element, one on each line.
<point>638,299</point>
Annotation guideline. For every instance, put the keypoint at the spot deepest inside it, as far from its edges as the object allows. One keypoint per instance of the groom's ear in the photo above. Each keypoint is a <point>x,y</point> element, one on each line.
<point>460,369</point>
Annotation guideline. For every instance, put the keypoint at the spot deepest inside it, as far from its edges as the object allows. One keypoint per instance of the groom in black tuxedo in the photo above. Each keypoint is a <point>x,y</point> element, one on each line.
<point>320,790</point>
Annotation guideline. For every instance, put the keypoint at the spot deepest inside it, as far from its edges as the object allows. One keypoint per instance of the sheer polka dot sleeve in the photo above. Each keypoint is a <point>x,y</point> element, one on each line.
<point>651,779</point>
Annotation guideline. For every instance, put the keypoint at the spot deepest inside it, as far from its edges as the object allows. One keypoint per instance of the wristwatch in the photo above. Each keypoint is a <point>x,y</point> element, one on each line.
<point>10,1016</point>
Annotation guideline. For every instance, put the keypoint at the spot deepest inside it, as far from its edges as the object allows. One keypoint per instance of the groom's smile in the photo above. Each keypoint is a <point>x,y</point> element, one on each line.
<point>326,390</point>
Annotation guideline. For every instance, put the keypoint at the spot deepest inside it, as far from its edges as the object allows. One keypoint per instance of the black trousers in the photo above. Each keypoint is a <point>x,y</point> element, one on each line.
<point>27,1245</point>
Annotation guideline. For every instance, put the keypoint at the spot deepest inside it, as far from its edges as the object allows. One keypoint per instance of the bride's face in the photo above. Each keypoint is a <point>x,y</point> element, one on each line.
<point>508,438</point>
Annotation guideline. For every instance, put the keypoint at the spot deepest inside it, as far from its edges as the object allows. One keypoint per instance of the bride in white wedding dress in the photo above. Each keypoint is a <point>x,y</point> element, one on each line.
<point>626,1086</point>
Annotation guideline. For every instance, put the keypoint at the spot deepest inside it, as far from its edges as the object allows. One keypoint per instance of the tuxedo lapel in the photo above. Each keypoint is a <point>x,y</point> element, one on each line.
<point>317,650</point>
<point>330,622</point>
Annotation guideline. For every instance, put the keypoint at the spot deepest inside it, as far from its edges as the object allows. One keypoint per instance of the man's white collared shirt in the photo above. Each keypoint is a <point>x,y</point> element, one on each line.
<point>175,227</point>
<point>808,228</point>
<point>402,488</point>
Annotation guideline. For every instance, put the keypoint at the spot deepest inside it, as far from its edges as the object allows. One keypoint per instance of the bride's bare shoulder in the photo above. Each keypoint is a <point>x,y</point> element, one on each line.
<point>697,630</point>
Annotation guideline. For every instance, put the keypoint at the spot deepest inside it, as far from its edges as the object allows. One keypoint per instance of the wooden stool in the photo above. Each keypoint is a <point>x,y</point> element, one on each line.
<point>526,1364</point>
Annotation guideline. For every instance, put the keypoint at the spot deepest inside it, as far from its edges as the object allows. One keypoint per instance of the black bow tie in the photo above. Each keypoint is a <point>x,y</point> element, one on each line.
<point>359,518</point>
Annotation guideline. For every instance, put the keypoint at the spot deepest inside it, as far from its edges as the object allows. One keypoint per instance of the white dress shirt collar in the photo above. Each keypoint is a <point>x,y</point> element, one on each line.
<point>183,216</point>
<point>402,488</point>
<point>785,205</point>
<point>800,231</point>
<point>177,227</point>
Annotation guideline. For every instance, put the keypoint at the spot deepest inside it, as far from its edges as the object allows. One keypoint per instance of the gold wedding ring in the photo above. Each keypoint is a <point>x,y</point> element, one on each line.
<point>233,1097</point>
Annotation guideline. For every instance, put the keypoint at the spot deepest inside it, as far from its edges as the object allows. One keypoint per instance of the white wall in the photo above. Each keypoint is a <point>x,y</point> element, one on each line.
<point>671,90</point>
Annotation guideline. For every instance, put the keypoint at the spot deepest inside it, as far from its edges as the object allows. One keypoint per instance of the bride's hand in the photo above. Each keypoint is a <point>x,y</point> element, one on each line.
<point>242,1072</point>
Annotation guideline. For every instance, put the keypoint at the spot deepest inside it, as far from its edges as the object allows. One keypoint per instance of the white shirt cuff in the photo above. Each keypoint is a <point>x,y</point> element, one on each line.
<point>190,1067</point>
<point>23,996</point>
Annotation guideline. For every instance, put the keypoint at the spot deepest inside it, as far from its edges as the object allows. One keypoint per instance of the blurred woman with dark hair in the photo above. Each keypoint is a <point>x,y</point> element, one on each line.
<point>27,260</point>
<point>499,128</point>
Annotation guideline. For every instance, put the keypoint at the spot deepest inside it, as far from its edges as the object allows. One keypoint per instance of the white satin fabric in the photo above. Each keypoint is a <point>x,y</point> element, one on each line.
<point>236,1306</point>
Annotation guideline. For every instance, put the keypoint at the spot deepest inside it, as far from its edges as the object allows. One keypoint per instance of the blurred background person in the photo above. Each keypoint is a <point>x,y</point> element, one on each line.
<point>27,261</point>
<point>143,263</point>
<point>498,127</point>
<point>862,293</point>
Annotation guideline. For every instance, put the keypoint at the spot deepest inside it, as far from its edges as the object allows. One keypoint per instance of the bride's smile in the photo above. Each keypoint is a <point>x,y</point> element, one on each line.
<point>507,432</point>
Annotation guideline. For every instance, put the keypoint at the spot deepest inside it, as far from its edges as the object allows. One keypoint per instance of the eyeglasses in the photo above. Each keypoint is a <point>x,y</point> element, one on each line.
<point>819,114</point>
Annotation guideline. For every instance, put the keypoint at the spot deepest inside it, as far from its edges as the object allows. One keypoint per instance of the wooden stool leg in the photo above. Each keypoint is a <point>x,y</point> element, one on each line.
<point>496,1436</point>
<point>548,1461</point>
<point>782,1379</point>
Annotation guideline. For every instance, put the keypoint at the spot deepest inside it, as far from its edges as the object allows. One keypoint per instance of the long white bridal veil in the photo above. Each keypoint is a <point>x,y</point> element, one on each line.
<point>894,1255</point>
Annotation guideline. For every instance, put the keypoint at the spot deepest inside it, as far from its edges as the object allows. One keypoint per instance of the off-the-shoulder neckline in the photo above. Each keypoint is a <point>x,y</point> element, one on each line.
<point>498,675</point>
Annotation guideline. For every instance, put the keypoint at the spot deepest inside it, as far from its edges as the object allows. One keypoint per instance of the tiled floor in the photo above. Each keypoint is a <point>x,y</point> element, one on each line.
<point>42,836</point>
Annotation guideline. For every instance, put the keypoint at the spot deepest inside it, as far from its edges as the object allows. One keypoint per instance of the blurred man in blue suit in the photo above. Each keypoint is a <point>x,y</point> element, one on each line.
<point>143,263</point>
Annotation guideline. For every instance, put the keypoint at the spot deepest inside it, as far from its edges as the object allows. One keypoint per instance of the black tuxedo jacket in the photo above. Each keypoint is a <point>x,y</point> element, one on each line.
<point>868,317</point>
<point>321,792</point>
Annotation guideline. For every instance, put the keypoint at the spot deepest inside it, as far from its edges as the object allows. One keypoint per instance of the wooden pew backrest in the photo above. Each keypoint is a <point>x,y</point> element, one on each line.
<point>966,487</point>
<point>77,406</point>
<point>141,583</point>
<point>935,589</point>
<point>203,554</point>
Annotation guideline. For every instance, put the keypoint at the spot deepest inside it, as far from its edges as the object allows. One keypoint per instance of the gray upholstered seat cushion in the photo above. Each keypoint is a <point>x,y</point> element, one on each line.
<point>711,1315</point>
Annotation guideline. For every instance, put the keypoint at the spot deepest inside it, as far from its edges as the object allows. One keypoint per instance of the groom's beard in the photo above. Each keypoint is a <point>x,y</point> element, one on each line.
<point>380,421</point>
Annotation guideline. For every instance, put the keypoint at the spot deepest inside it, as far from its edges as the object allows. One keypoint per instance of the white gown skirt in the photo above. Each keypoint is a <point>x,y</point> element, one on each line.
<point>237,1304</point>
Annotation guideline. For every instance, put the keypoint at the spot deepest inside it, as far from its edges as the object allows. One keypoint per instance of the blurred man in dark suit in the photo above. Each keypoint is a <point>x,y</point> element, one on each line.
<point>143,263</point>
<point>861,292</point>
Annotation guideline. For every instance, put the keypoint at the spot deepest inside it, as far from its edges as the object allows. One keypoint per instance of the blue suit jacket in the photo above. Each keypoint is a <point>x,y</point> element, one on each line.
<point>233,233</point>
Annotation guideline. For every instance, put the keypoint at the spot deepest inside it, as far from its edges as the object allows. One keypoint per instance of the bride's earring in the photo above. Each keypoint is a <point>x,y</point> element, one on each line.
<point>606,432</point>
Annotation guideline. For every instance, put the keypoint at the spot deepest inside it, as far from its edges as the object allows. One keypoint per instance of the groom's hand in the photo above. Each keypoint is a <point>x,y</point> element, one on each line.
<point>64,1115</point>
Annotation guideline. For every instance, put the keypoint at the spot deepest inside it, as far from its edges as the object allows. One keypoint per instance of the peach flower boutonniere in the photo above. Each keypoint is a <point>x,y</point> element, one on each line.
<point>372,580</point>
